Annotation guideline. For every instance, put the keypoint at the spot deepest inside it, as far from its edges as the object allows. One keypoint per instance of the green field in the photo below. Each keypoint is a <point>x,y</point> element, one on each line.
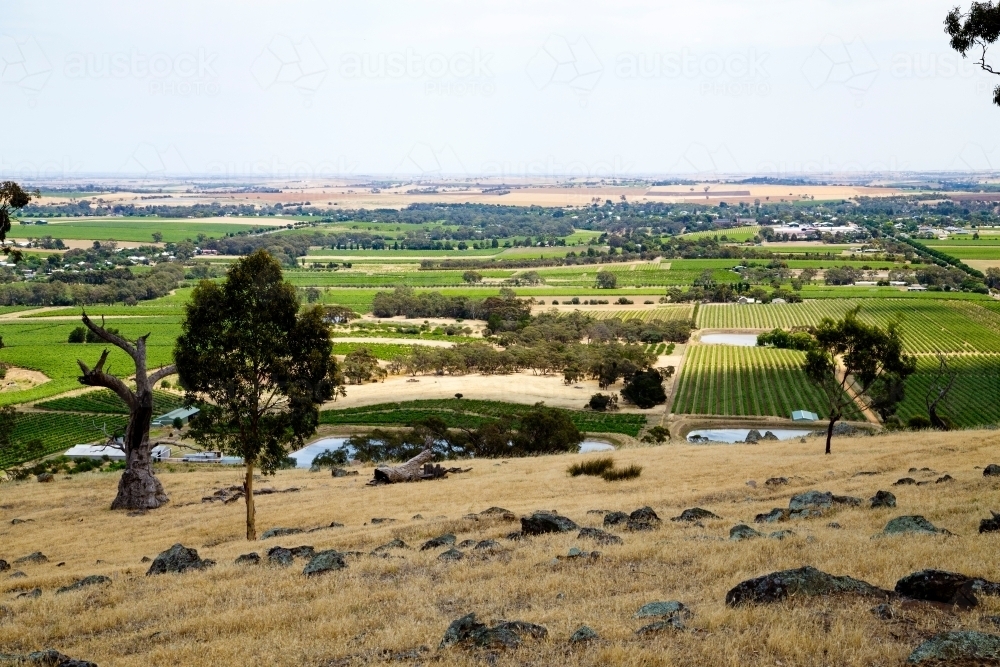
<point>974,399</point>
<point>747,381</point>
<point>466,413</point>
<point>734,234</point>
<point>105,401</point>
<point>974,250</point>
<point>58,431</point>
<point>386,351</point>
<point>131,230</point>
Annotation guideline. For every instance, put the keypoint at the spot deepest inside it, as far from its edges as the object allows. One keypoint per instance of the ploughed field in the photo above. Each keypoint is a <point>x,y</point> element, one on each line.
<point>398,603</point>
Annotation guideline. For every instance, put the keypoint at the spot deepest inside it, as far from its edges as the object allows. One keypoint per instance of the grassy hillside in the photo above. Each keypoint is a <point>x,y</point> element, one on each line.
<point>380,607</point>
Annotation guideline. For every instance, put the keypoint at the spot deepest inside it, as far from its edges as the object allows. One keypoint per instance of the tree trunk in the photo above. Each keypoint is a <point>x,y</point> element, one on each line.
<point>138,488</point>
<point>829,430</point>
<point>251,513</point>
<point>408,472</point>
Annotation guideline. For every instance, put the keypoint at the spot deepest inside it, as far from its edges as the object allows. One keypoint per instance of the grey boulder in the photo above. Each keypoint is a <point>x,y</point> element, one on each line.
<point>178,558</point>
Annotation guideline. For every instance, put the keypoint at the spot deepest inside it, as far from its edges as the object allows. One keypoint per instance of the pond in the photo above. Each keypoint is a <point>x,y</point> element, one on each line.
<point>742,340</point>
<point>304,457</point>
<point>734,435</point>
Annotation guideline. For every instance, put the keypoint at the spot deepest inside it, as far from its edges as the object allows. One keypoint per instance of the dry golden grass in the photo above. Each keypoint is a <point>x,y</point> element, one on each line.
<point>231,615</point>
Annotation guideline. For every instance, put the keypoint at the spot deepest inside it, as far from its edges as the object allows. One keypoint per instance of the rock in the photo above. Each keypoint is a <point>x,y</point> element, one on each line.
<point>446,540</point>
<point>92,580</point>
<point>774,516</point>
<point>949,588</point>
<point>865,473</point>
<point>516,536</point>
<point>487,545</point>
<point>577,553</point>
<point>985,526</point>
<point>743,532</point>
<point>663,610</point>
<point>4,565</point>
<point>46,658</point>
<point>601,512</point>
<point>910,524</point>
<point>145,559</point>
<point>36,558</point>
<point>820,500</point>
<point>883,611</point>
<point>600,536</point>
<point>546,522</point>
<point>280,556</point>
<point>752,483</point>
<point>18,575</point>
<point>804,582</point>
<point>45,477</point>
<point>178,558</point>
<point>883,499</point>
<point>280,532</point>
<point>15,522</point>
<point>467,544</point>
<point>992,470</point>
<point>964,647</point>
<point>768,436</point>
<point>643,518</point>
<point>753,437</point>
<point>695,514</point>
<point>834,525</point>
<point>378,521</point>
<point>469,632</point>
<point>31,595</point>
<point>780,534</point>
<point>583,634</point>
<point>672,623</point>
<point>340,472</point>
<point>906,481</point>
<point>334,524</point>
<point>324,561</point>
<point>615,519</point>
<point>451,554</point>
<point>394,544</point>
<point>776,481</point>
<point>252,558</point>
<point>303,552</point>
<point>944,478</point>
<point>498,513</point>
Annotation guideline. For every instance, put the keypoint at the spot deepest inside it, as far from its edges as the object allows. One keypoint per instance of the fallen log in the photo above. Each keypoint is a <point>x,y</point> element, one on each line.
<point>411,471</point>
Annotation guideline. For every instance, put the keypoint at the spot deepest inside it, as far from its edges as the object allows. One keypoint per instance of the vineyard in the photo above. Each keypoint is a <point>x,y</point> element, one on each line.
<point>105,401</point>
<point>386,351</point>
<point>928,326</point>
<point>57,432</point>
<point>657,314</point>
<point>472,413</point>
<point>747,381</point>
<point>974,399</point>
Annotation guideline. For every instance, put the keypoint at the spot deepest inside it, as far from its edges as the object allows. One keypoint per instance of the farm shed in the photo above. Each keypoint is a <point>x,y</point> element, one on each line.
<point>160,452</point>
<point>185,415</point>
<point>804,416</point>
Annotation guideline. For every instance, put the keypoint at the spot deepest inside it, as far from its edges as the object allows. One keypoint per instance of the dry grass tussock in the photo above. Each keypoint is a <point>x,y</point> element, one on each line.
<point>236,615</point>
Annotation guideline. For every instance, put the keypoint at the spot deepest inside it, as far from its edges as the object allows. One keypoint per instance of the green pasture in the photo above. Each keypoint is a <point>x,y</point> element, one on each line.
<point>130,230</point>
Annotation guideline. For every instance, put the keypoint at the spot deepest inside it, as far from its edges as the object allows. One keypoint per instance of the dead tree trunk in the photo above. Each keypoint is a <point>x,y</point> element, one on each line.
<point>411,471</point>
<point>138,488</point>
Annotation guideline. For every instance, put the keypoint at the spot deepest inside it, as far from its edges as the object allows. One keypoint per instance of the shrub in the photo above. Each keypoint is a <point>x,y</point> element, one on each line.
<point>178,423</point>
<point>602,402</point>
<point>918,422</point>
<point>618,474</point>
<point>592,467</point>
<point>78,335</point>
<point>645,389</point>
<point>331,458</point>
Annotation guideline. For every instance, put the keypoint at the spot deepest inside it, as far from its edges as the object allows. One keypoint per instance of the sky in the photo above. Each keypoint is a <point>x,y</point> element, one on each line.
<point>539,89</point>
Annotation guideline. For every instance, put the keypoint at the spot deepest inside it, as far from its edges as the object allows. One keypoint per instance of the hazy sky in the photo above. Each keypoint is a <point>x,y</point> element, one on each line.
<point>326,89</point>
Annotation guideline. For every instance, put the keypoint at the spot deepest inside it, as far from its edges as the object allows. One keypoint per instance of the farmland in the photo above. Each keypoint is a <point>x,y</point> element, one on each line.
<point>104,401</point>
<point>739,381</point>
<point>975,398</point>
<point>58,432</point>
<point>131,230</point>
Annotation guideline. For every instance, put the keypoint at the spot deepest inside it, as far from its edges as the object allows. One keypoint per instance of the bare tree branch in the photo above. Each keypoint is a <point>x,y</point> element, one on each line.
<point>161,373</point>
<point>96,377</point>
<point>114,339</point>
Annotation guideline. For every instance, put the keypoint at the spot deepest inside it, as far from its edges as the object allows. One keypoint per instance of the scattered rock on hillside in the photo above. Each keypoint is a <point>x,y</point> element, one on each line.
<point>46,658</point>
<point>470,633</point>
<point>780,534</point>
<point>774,516</point>
<point>753,437</point>
<point>445,540</point>
<point>92,580</point>
<point>663,610</point>
<point>776,481</point>
<point>964,647</point>
<point>516,536</point>
<point>583,634</point>
<point>341,472</point>
<point>883,611</point>
<point>944,587</point>
<point>15,522</point>
<point>804,581</point>
<point>393,544</point>
<point>546,522</point>
<point>911,524</point>
<point>178,558</point>
<point>252,558</point>
<point>944,478</point>
<point>743,532</point>
<point>643,518</point>
<point>905,481</point>
<point>820,500</point>
<point>498,513</point>
<point>883,499</point>
<point>35,558</point>
<point>992,470</point>
<point>985,526</point>
<point>31,595</point>
<point>615,519</point>
<point>45,477</point>
<point>451,554</point>
<point>577,553</point>
<point>601,536</point>
<point>280,556</point>
<point>18,575</point>
<point>487,545</point>
<point>466,544</point>
<point>695,514</point>
<point>602,512</point>
<point>672,623</point>
<point>4,565</point>
<point>768,435</point>
<point>280,532</point>
<point>324,561</point>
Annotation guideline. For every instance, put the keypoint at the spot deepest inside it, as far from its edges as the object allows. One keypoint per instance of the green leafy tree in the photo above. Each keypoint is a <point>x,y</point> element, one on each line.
<point>472,277</point>
<point>12,198</point>
<point>544,430</point>
<point>853,357</point>
<point>256,366</point>
<point>976,30</point>
<point>606,280</point>
<point>78,335</point>
<point>360,366</point>
<point>157,237</point>
<point>645,389</point>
